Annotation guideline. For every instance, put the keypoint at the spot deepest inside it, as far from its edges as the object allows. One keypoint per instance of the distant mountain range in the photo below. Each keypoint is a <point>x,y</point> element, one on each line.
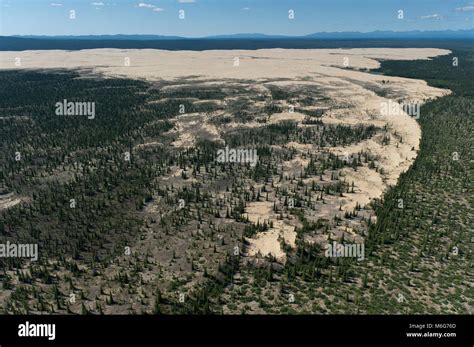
<point>343,35</point>
<point>250,41</point>
<point>101,37</point>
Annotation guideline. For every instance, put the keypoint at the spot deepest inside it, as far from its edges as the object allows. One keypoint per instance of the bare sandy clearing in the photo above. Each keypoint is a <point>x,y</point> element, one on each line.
<point>217,64</point>
<point>148,144</point>
<point>268,242</point>
<point>8,200</point>
<point>258,212</point>
<point>192,127</point>
<point>295,166</point>
<point>248,125</point>
<point>368,185</point>
<point>286,116</point>
<point>349,95</point>
<point>300,146</point>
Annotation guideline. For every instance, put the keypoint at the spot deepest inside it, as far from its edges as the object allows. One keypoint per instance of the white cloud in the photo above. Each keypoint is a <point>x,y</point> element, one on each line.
<point>246,8</point>
<point>467,8</point>
<point>150,7</point>
<point>56,4</point>
<point>142,4</point>
<point>97,3</point>
<point>432,16</point>
<point>186,1</point>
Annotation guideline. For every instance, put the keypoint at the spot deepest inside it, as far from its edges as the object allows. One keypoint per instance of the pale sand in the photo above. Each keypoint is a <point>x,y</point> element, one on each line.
<point>368,185</point>
<point>295,166</point>
<point>148,144</point>
<point>286,116</point>
<point>350,99</point>
<point>189,127</point>
<point>8,200</point>
<point>218,64</point>
<point>300,146</point>
<point>268,242</point>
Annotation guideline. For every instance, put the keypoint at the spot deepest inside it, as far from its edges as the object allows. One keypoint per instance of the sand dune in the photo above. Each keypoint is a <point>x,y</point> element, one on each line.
<point>268,242</point>
<point>8,200</point>
<point>218,64</point>
<point>351,96</point>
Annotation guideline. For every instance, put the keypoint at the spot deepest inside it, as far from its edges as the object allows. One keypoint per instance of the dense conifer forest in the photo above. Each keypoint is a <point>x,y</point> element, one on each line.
<point>128,222</point>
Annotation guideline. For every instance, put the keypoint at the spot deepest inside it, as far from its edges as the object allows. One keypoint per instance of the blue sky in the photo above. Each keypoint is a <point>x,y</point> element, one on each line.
<point>214,17</point>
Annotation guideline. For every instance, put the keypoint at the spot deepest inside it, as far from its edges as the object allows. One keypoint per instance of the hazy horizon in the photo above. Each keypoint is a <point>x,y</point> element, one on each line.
<point>256,34</point>
<point>282,17</point>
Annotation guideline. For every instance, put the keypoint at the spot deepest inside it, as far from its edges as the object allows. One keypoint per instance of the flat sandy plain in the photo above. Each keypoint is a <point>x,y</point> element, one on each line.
<point>353,96</point>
